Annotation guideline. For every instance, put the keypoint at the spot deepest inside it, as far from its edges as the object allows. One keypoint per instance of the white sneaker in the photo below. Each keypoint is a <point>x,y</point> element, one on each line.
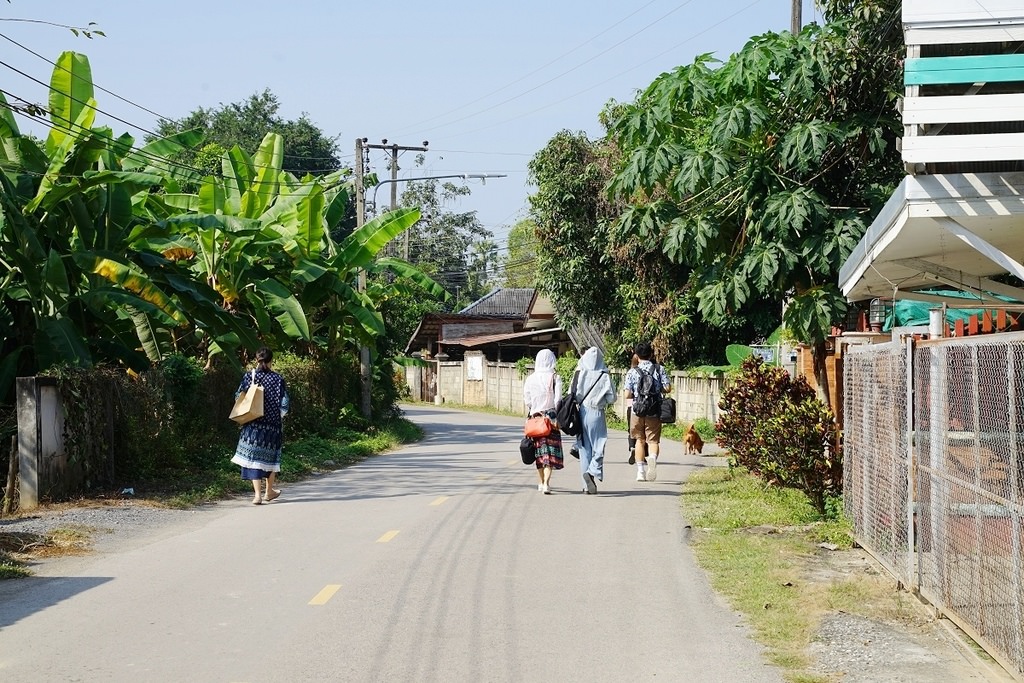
<point>546,489</point>
<point>640,475</point>
<point>540,488</point>
<point>652,468</point>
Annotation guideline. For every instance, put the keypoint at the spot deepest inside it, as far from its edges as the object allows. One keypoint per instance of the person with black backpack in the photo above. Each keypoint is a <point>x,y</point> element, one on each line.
<point>593,390</point>
<point>646,384</point>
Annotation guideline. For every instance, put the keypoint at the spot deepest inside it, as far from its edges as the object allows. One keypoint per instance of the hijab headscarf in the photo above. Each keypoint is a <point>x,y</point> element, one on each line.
<point>594,373</point>
<point>539,392</point>
<point>545,361</point>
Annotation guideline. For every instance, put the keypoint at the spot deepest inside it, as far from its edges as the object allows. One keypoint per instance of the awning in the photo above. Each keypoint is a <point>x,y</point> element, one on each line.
<point>481,340</point>
<point>954,229</point>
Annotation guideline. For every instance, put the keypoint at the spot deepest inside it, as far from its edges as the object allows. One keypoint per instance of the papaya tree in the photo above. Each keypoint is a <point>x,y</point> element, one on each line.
<point>761,173</point>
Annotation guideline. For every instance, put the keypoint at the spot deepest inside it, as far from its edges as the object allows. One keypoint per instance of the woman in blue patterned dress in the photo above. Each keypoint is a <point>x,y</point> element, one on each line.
<point>540,391</point>
<point>259,444</point>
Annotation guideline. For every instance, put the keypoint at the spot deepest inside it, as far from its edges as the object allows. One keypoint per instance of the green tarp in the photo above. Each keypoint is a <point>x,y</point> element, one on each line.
<point>907,313</point>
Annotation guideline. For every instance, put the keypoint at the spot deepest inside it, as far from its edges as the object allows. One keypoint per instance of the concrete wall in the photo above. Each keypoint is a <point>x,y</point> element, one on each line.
<point>43,465</point>
<point>502,388</point>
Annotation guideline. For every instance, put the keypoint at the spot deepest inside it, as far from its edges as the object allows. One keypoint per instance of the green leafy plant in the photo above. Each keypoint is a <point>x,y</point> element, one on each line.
<point>565,365</point>
<point>774,426</point>
<point>523,366</point>
<point>705,428</point>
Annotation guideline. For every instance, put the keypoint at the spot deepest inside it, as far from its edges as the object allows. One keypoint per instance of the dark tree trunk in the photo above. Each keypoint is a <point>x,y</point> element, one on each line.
<point>818,355</point>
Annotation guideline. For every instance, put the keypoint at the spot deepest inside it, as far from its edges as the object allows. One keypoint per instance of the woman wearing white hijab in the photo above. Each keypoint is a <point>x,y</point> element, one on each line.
<point>540,391</point>
<point>595,392</point>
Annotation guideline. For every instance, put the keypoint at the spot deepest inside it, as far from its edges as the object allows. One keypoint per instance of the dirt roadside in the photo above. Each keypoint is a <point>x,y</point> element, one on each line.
<point>895,637</point>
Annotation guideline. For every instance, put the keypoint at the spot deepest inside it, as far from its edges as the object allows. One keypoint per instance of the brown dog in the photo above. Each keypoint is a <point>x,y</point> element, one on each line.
<point>694,444</point>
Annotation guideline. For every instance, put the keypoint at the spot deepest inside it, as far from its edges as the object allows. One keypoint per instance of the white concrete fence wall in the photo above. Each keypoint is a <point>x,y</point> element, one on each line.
<point>501,387</point>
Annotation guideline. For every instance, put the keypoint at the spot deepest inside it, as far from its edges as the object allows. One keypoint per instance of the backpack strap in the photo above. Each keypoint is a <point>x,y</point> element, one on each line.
<point>592,387</point>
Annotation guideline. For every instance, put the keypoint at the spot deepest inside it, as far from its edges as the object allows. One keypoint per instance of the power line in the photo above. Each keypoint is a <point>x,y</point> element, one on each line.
<point>73,128</point>
<point>75,99</point>
<point>293,157</point>
<point>555,78</point>
<point>606,80</point>
<point>538,69</point>
<point>75,75</point>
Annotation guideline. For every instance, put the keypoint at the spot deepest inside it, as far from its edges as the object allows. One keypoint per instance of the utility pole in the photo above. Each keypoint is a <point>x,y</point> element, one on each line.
<point>796,21</point>
<point>394,149</point>
<point>365,378</point>
<point>365,404</point>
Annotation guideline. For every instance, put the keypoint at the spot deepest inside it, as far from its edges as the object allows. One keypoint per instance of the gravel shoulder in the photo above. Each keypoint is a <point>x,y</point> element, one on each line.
<point>896,639</point>
<point>108,526</point>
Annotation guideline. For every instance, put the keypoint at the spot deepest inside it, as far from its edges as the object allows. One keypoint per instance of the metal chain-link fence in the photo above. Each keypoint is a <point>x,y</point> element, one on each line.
<point>875,475</point>
<point>955,533</point>
<point>968,403</point>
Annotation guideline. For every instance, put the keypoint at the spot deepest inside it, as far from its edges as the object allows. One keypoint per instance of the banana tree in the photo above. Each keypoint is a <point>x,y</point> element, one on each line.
<point>67,210</point>
<point>260,239</point>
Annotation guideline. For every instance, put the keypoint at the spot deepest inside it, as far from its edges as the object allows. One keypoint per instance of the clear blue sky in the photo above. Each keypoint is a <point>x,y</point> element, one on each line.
<point>486,83</point>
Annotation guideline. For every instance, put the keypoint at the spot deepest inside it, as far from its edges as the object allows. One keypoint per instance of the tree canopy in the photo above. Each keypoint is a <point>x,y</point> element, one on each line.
<point>452,246</point>
<point>761,173</point>
<point>306,148</point>
<point>729,184</point>
<point>519,266</point>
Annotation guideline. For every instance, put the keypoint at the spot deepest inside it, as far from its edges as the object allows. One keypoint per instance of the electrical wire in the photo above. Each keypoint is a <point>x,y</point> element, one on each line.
<point>553,79</point>
<point>75,75</point>
<point>605,81</point>
<point>537,70</point>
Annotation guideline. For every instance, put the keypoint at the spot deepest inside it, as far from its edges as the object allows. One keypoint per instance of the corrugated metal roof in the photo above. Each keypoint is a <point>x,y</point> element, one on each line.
<point>503,303</point>
<point>430,326</point>
<point>585,334</point>
<point>481,340</point>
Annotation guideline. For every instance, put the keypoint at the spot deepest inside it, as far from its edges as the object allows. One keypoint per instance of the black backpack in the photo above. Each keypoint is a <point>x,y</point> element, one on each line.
<point>647,397</point>
<point>567,411</point>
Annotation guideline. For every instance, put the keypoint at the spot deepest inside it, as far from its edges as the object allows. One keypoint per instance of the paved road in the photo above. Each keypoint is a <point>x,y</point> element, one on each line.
<point>439,562</point>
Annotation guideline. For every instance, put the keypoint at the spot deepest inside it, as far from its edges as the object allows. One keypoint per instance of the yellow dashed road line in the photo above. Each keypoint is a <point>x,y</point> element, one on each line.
<point>438,501</point>
<point>387,537</point>
<point>326,594</point>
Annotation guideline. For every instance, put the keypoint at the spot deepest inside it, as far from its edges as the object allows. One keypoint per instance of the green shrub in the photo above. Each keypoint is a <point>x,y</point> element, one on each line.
<point>565,365</point>
<point>705,428</point>
<point>777,428</point>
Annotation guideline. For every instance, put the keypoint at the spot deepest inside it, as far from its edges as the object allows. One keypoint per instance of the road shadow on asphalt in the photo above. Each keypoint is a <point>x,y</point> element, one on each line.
<point>20,598</point>
<point>474,454</point>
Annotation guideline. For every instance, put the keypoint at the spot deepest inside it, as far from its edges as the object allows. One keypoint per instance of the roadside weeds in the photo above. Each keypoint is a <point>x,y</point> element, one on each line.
<point>793,575</point>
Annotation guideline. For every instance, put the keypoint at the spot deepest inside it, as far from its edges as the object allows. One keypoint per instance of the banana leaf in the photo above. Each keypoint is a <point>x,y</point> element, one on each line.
<point>414,274</point>
<point>71,92</point>
<point>288,310</point>
<point>56,278</point>
<point>138,283</point>
<point>267,162</point>
<point>236,168</point>
<point>360,248</point>
<point>155,154</point>
<point>9,135</point>
<point>306,271</point>
<point>212,196</point>
<point>8,371</point>
<point>61,155</point>
<point>59,341</point>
